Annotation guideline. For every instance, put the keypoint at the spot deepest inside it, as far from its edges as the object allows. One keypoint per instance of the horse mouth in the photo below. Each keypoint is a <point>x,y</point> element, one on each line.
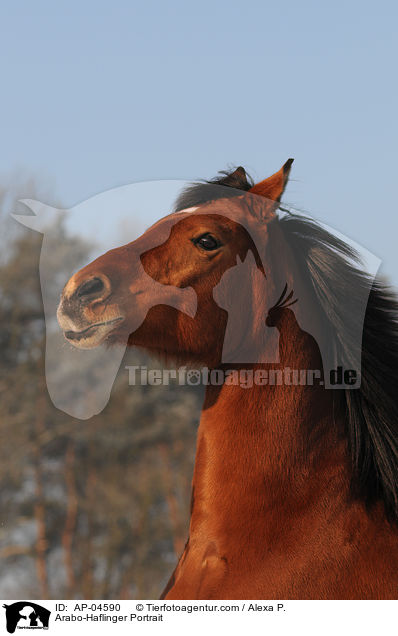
<point>93,335</point>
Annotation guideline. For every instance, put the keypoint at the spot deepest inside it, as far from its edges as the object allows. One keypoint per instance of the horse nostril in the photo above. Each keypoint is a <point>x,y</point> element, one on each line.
<point>94,287</point>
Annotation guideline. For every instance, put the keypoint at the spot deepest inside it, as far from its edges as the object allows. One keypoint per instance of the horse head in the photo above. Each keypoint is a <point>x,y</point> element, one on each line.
<point>157,291</point>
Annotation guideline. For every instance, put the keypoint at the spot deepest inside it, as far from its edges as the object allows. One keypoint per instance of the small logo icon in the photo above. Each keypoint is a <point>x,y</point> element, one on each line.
<point>26,615</point>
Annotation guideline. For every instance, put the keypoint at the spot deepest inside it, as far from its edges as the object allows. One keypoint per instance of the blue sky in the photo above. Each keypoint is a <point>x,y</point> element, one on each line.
<point>100,94</point>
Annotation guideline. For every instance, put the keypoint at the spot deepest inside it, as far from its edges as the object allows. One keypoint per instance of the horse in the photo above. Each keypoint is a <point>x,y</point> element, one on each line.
<point>295,485</point>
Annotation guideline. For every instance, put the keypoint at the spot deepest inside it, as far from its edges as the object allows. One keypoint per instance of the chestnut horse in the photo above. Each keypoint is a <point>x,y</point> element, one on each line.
<point>295,487</point>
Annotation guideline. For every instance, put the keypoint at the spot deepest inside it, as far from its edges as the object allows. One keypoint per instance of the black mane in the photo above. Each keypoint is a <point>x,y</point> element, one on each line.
<point>334,271</point>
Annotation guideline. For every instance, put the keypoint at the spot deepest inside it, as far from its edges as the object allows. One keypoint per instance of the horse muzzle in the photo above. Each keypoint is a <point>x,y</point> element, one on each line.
<point>85,313</point>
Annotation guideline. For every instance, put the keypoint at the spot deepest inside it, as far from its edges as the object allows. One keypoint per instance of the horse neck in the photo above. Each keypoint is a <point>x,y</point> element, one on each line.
<point>267,449</point>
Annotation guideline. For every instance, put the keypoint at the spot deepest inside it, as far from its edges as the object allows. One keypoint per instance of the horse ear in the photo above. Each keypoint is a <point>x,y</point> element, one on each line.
<point>273,187</point>
<point>236,179</point>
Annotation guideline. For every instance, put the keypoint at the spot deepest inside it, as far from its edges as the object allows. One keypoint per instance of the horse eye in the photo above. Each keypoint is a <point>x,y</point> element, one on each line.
<point>207,242</point>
